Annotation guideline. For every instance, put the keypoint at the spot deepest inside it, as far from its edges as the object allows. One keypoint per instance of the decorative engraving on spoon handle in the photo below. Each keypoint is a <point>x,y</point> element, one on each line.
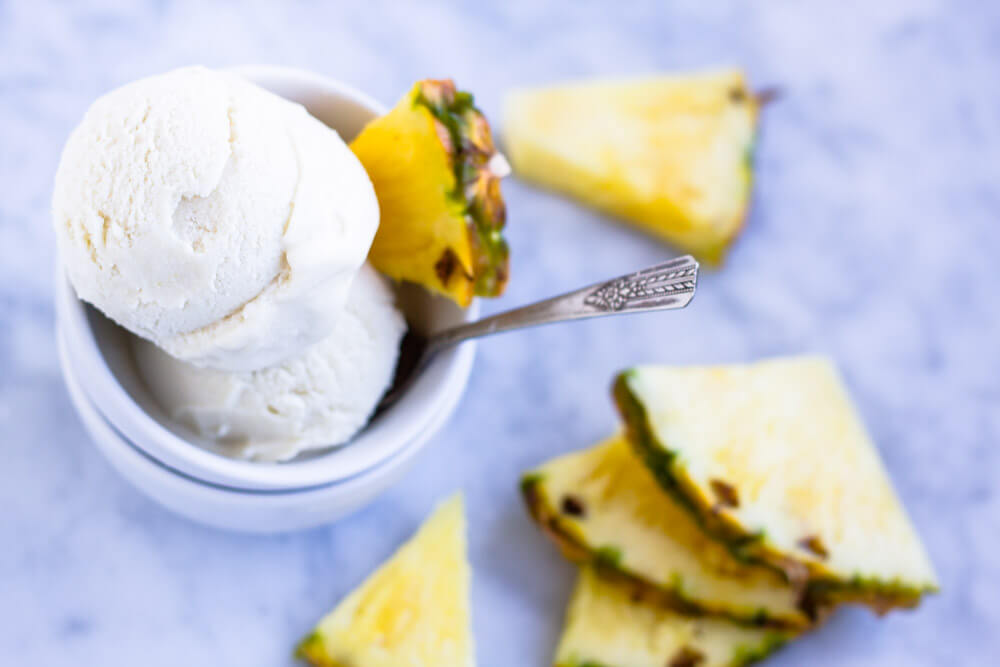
<point>656,287</point>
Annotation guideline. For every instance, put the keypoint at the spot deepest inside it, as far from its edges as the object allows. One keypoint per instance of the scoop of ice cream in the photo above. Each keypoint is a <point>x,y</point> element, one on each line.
<point>216,219</point>
<point>320,398</point>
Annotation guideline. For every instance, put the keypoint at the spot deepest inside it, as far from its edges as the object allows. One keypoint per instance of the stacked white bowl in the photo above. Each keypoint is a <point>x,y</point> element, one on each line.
<point>170,465</point>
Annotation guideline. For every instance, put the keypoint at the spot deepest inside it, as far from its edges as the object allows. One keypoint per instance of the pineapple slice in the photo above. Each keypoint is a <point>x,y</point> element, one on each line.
<point>609,626</point>
<point>670,153</point>
<point>437,177</point>
<point>773,461</point>
<point>603,506</point>
<point>413,611</point>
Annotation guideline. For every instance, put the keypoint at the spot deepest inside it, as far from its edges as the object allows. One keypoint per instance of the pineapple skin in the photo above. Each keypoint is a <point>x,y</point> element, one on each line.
<point>431,161</point>
<point>607,626</point>
<point>670,154</point>
<point>413,611</point>
<point>771,603</point>
<point>822,589</point>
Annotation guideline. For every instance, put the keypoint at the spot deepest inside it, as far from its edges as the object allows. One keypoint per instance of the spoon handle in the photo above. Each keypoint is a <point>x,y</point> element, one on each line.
<point>662,287</point>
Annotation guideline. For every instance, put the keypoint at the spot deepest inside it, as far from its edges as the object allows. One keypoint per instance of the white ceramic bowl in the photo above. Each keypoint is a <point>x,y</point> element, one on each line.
<point>235,509</point>
<point>97,355</point>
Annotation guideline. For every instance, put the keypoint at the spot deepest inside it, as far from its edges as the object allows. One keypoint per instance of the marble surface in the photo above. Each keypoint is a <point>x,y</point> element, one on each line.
<point>873,238</point>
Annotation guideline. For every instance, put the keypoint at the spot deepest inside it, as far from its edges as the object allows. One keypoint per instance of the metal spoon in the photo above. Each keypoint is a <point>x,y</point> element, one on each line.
<point>665,286</point>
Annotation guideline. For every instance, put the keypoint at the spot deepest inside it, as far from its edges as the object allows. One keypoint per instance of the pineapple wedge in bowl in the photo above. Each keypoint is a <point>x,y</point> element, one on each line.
<point>437,177</point>
<point>773,461</point>
<point>608,625</point>
<point>671,154</point>
<point>602,506</point>
<point>414,610</point>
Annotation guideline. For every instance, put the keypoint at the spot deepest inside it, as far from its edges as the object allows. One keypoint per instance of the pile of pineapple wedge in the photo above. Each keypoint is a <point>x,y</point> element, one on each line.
<point>738,506</point>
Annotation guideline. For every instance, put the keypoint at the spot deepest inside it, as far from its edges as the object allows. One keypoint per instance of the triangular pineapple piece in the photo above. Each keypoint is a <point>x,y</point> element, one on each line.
<point>437,177</point>
<point>670,153</point>
<point>411,612</point>
<point>608,625</point>
<point>602,506</point>
<point>773,460</point>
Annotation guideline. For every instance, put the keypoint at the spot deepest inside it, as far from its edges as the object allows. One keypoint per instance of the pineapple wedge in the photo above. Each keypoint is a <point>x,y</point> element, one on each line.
<point>437,177</point>
<point>603,506</point>
<point>413,611</point>
<point>669,153</point>
<point>609,626</point>
<point>773,461</point>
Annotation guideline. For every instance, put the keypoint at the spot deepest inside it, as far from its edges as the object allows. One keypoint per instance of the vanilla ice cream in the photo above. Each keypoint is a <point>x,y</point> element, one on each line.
<point>321,397</point>
<point>219,221</point>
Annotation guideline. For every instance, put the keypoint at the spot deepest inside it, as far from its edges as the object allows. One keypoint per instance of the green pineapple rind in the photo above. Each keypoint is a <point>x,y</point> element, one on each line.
<point>742,656</point>
<point>312,650</point>
<point>745,655</point>
<point>457,113</point>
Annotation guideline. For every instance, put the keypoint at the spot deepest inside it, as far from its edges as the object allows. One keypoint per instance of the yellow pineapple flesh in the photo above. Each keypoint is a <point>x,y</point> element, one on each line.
<point>772,460</point>
<point>608,625</point>
<point>437,176</point>
<point>671,154</point>
<point>411,612</point>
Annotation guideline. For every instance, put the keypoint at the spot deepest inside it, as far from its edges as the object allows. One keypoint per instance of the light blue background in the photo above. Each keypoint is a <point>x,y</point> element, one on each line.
<point>874,238</point>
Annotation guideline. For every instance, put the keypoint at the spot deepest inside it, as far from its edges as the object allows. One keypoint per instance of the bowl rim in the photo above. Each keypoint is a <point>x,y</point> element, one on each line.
<point>450,368</point>
<point>265,75</point>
